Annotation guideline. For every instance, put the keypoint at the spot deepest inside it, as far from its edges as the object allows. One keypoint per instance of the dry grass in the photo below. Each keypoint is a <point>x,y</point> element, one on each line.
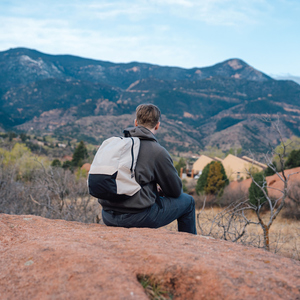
<point>154,288</point>
<point>284,233</point>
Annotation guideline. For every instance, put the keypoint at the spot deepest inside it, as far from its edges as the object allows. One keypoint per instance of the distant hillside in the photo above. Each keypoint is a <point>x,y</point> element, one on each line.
<point>220,105</point>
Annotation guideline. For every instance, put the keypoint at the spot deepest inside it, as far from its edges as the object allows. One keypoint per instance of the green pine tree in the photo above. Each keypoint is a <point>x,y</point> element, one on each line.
<point>268,171</point>
<point>202,182</point>
<point>79,155</point>
<point>293,160</point>
<point>180,164</point>
<point>56,163</point>
<point>256,195</point>
<point>214,182</point>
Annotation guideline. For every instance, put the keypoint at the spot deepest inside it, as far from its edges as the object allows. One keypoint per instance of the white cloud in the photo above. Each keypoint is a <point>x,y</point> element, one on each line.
<point>213,12</point>
<point>108,10</point>
<point>182,3</point>
<point>217,12</point>
<point>51,36</point>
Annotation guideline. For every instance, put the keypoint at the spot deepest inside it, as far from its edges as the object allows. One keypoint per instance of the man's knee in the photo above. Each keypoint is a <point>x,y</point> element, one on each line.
<point>189,199</point>
<point>192,201</point>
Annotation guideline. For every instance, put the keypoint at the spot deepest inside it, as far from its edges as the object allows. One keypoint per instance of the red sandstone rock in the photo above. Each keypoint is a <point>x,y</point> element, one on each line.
<point>55,259</point>
<point>86,167</point>
<point>67,157</point>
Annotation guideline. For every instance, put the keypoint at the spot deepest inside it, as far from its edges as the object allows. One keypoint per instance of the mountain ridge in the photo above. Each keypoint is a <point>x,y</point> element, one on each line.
<point>73,70</point>
<point>208,104</point>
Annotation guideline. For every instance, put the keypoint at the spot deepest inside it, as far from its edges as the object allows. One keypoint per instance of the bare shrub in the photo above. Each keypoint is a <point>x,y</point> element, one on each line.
<point>51,192</point>
<point>199,201</point>
<point>57,193</point>
<point>231,195</point>
<point>296,246</point>
<point>11,191</point>
<point>228,197</point>
<point>229,224</point>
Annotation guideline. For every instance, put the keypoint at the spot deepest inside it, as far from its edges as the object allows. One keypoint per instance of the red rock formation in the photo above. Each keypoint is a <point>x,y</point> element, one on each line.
<point>272,181</point>
<point>55,259</point>
<point>86,167</point>
<point>67,157</point>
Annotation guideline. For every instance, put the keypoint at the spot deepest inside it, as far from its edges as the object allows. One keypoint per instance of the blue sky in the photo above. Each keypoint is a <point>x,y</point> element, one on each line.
<point>185,33</point>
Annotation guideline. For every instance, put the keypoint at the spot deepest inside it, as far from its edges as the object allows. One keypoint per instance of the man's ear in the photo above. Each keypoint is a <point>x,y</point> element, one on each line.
<point>135,123</point>
<point>157,126</point>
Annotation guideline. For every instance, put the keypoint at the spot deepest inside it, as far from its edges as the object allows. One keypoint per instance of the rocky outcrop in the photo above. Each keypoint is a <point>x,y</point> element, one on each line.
<point>55,259</point>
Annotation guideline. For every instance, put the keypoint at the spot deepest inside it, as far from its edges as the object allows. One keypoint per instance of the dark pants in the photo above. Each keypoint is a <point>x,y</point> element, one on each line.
<point>164,211</point>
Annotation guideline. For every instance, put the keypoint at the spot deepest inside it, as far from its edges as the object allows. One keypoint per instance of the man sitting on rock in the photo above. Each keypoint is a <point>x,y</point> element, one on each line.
<point>160,200</point>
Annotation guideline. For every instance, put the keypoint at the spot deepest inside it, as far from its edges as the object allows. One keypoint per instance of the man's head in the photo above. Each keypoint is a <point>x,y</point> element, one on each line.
<point>148,115</point>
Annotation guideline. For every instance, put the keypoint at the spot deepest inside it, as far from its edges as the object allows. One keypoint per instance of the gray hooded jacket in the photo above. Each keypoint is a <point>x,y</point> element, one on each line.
<point>154,166</point>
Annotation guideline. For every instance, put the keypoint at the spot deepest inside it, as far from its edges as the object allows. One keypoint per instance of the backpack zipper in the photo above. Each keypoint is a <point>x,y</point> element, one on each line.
<point>132,158</point>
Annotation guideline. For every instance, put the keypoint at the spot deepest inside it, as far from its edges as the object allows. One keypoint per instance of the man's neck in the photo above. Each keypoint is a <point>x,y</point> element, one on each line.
<point>150,129</point>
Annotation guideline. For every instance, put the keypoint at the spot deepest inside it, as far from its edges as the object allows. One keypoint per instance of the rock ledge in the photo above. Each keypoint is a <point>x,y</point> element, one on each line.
<point>55,259</point>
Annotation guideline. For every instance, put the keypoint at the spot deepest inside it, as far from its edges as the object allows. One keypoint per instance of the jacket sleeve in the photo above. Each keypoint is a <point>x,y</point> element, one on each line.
<point>167,176</point>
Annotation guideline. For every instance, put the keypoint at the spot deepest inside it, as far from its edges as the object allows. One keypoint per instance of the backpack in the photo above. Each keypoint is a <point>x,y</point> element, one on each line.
<point>111,176</point>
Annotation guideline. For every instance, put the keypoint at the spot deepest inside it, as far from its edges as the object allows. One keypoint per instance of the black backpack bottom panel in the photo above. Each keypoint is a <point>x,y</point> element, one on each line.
<point>105,187</point>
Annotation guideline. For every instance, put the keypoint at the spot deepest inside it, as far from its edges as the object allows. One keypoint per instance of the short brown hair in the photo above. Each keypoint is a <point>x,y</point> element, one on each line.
<point>147,115</point>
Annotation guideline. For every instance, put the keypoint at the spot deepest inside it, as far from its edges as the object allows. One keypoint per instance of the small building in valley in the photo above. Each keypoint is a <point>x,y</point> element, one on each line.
<point>236,167</point>
<point>201,162</point>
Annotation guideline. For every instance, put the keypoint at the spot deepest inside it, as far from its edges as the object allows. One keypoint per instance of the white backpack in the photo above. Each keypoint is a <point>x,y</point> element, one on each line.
<point>112,173</point>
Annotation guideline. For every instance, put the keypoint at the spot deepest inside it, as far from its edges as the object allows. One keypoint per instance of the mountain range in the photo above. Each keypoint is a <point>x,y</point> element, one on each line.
<point>225,105</point>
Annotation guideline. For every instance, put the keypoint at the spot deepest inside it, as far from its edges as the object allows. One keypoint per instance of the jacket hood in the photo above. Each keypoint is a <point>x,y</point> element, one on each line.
<point>140,132</point>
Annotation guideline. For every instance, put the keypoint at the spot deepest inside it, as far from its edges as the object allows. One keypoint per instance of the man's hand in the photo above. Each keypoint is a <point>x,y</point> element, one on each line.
<point>160,191</point>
